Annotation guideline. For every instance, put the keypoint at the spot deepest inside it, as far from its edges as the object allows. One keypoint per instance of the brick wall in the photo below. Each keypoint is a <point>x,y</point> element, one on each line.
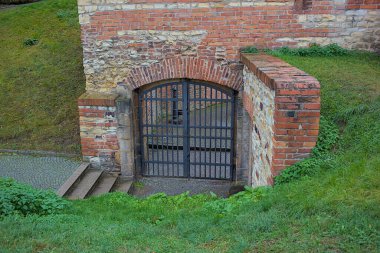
<point>131,43</point>
<point>119,36</point>
<point>363,4</point>
<point>284,105</point>
<point>98,130</point>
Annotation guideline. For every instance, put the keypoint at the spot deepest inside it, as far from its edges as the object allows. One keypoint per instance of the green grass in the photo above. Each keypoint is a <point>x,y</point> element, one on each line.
<point>39,84</point>
<point>335,209</point>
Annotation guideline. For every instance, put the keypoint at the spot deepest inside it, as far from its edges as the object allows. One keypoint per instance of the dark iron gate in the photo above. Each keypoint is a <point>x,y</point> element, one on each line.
<point>187,130</point>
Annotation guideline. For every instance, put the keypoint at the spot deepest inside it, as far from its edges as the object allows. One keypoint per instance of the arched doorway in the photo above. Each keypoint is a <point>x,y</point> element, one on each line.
<point>187,130</point>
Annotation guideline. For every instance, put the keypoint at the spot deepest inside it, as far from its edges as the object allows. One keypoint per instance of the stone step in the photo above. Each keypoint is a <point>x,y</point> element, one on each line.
<point>73,179</point>
<point>105,184</point>
<point>123,184</point>
<point>88,182</point>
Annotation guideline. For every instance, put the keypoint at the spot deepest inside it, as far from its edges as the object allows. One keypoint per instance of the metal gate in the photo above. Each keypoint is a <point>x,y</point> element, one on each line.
<point>187,130</point>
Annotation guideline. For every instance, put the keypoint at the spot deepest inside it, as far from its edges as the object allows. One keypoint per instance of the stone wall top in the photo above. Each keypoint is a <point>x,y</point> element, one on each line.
<point>277,74</point>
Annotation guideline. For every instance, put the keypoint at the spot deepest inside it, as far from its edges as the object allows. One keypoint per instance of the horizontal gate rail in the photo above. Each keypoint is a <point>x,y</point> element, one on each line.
<point>157,146</point>
<point>204,137</point>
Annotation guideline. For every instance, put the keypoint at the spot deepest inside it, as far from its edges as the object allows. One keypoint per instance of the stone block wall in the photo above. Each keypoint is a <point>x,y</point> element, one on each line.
<point>283,104</point>
<point>258,100</point>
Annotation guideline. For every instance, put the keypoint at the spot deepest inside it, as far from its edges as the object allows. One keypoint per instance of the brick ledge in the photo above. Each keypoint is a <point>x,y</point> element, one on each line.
<point>97,99</point>
<point>277,74</point>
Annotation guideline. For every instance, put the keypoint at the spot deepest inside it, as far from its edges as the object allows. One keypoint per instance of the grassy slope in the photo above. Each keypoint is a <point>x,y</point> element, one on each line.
<point>39,84</point>
<point>336,210</point>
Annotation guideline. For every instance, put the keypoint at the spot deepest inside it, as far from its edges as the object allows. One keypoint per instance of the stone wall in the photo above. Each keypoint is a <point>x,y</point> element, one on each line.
<point>353,29</point>
<point>283,104</point>
<point>258,100</point>
<point>121,35</point>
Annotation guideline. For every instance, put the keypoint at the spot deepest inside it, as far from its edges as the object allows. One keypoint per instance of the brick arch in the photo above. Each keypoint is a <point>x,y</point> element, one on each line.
<point>185,67</point>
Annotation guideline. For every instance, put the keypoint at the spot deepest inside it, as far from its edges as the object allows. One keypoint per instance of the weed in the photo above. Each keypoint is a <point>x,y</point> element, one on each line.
<point>138,184</point>
<point>321,156</point>
<point>312,50</point>
<point>30,42</point>
<point>250,50</point>
<point>17,198</point>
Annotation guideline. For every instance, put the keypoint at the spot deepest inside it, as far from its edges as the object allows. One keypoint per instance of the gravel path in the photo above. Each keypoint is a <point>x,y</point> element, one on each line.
<point>44,172</point>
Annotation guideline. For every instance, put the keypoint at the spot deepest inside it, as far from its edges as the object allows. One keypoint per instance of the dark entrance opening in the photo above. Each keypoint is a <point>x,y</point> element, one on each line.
<point>187,130</point>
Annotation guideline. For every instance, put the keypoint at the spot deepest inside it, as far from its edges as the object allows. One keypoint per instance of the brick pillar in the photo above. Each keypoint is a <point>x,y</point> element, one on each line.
<point>98,130</point>
<point>283,103</point>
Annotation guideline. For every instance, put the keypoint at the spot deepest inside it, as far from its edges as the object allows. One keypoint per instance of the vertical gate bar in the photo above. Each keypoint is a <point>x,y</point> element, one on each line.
<point>197,167</point>
<point>220,134</point>
<point>217,146</point>
<point>162,129</point>
<point>158,129</point>
<point>232,143</point>
<point>153,127</point>
<point>205,122</point>
<point>205,135</point>
<point>155,138</point>
<point>175,154</point>
<point>194,130</point>
<point>177,132</point>
<point>186,135</point>
<point>167,130</point>
<point>147,132</point>
<point>173,133</point>
<point>202,154</point>
<point>203,129</point>
<point>141,132</point>
<point>147,118</point>
<point>215,106</point>
<point>211,126</point>
<point>226,139</point>
<point>158,125</point>
<point>199,142</point>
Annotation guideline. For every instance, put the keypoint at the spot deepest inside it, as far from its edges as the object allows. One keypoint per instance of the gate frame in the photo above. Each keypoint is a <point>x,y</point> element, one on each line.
<point>138,139</point>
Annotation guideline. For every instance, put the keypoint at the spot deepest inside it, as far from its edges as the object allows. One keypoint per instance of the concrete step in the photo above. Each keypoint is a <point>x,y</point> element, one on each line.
<point>123,184</point>
<point>88,182</point>
<point>73,179</point>
<point>105,184</point>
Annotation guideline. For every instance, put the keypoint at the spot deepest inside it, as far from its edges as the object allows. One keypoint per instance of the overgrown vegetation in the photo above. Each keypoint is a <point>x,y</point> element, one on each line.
<point>334,206</point>
<point>312,50</point>
<point>321,157</point>
<point>41,76</point>
<point>250,50</point>
<point>17,198</point>
<point>328,203</point>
